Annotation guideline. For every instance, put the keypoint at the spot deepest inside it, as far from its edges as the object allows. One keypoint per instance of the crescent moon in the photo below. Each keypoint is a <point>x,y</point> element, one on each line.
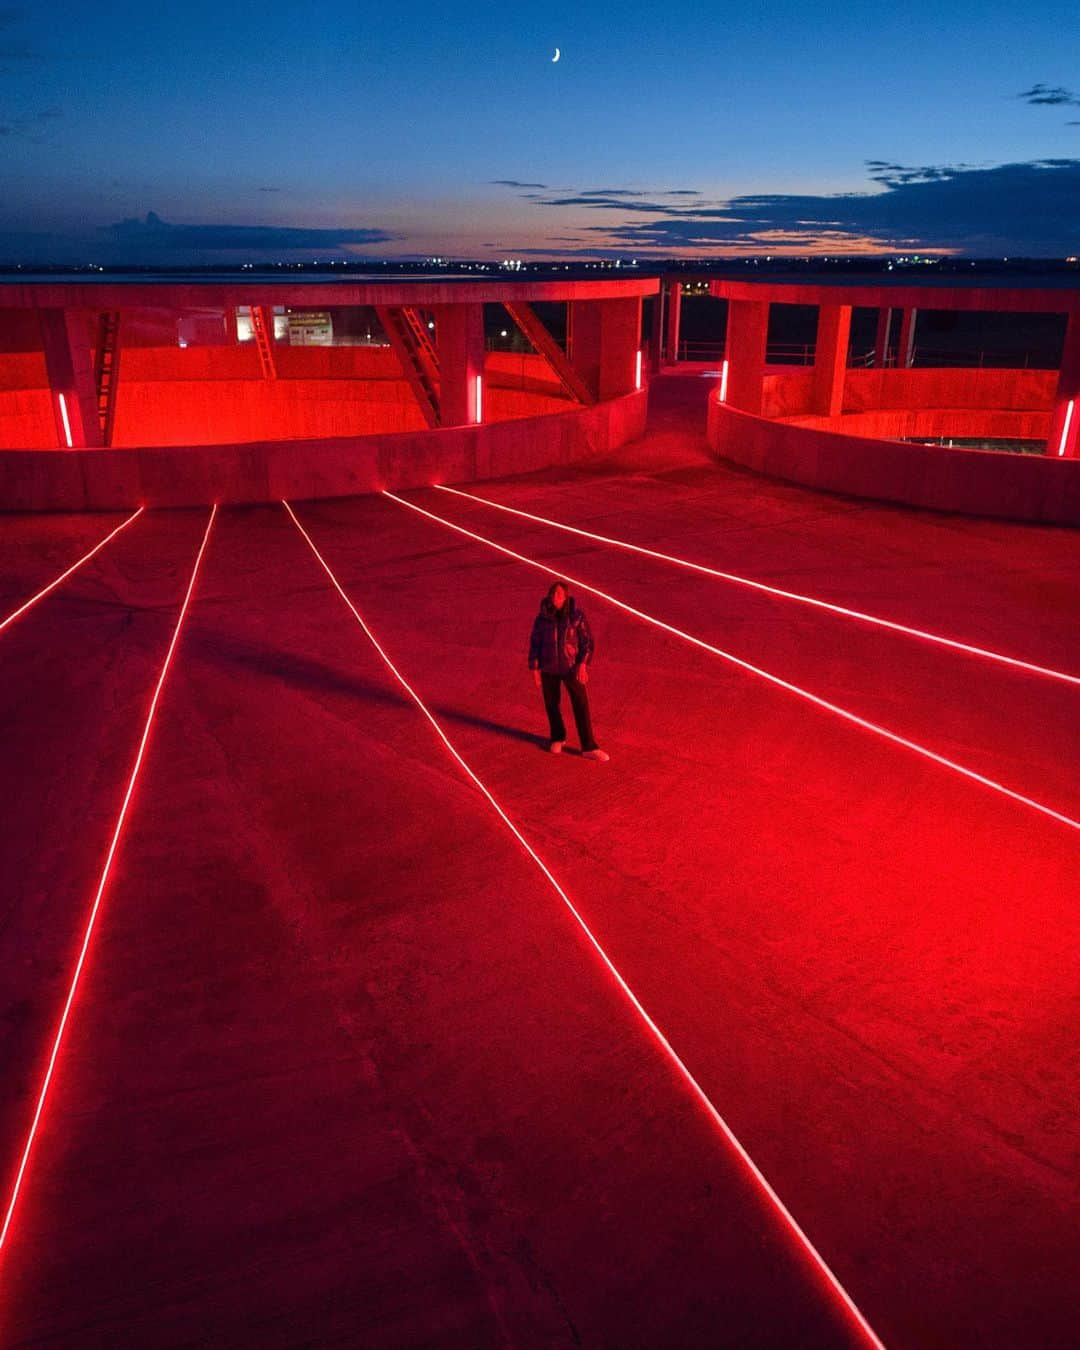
<point>556,56</point>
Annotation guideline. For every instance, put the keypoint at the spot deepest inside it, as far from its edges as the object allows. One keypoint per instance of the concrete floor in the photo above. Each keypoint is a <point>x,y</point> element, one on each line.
<point>342,1069</point>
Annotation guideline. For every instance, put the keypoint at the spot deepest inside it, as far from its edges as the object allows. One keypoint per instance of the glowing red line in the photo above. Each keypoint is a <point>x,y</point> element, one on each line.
<point>723,382</point>
<point>95,907</point>
<point>67,424</point>
<point>669,1050</point>
<point>63,575</point>
<point>875,619</point>
<point>1069,410</point>
<point>795,689</point>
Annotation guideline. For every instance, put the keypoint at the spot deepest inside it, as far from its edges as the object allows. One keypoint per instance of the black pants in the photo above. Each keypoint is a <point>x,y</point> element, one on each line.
<point>579,701</point>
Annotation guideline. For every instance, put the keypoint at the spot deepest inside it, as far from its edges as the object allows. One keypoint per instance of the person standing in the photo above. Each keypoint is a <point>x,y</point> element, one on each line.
<point>560,649</point>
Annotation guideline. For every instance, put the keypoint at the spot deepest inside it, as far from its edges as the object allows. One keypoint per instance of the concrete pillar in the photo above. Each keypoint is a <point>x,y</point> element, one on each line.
<point>1064,438</point>
<point>656,332</point>
<point>69,363</point>
<point>744,350</point>
<point>459,331</point>
<point>672,319</point>
<point>906,350</point>
<point>604,340</point>
<point>830,358</point>
<point>230,326</point>
<point>881,339</point>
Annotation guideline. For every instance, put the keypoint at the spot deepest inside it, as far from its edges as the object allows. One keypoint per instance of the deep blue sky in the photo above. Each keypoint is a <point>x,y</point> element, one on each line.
<point>386,132</point>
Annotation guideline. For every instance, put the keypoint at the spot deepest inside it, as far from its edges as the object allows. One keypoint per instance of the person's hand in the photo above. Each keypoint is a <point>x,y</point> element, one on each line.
<point>583,674</point>
<point>536,678</point>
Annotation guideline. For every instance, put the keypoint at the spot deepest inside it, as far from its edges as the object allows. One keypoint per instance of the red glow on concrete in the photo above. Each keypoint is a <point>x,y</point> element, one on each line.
<point>776,680</point>
<point>967,648</point>
<point>64,575</point>
<point>21,1171</point>
<point>1070,408</point>
<point>66,420</point>
<point>807,1248</point>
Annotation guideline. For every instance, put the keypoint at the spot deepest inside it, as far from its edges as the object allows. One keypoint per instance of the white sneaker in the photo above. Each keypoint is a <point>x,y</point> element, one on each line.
<point>601,756</point>
<point>556,747</point>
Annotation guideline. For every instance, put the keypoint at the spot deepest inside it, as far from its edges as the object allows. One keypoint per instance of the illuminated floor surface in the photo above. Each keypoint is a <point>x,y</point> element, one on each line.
<point>343,1070</point>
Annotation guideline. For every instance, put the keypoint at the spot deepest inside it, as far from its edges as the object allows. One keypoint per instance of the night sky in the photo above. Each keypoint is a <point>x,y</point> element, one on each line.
<point>227,132</point>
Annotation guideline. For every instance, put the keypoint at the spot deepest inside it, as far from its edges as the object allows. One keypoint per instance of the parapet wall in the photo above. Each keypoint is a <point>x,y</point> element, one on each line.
<point>267,471</point>
<point>971,482</point>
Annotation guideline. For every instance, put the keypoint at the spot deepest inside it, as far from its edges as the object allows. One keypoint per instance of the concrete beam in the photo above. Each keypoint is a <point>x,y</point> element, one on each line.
<point>744,349</point>
<point>905,353</point>
<point>1064,439</point>
<point>65,339</point>
<point>830,358</point>
<point>881,337</point>
<point>459,331</point>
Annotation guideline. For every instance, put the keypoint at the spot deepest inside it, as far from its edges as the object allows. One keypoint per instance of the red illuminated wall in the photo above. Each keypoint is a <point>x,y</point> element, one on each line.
<point>1014,487</point>
<point>208,396</point>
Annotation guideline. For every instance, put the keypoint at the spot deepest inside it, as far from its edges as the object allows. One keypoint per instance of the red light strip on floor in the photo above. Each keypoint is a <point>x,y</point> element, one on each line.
<point>776,680</point>
<point>64,575</point>
<point>921,633</point>
<point>58,1039</point>
<point>807,1247</point>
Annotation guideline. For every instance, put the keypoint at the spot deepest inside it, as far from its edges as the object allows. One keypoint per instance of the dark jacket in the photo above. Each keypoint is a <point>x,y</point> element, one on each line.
<point>561,640</point>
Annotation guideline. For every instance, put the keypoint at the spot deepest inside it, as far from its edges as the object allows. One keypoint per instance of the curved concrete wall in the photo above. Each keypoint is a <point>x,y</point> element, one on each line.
<point>97,480</point>
<point>972,482</point>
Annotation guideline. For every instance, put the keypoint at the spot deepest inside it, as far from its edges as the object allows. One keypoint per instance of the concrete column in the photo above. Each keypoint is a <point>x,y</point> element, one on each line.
<point>881,339</point>
<point>830,358</point>
<point>744,348</point>
<point>459,333</point>
<point>230,326</point>
<point>1064,441</point>
<point>672,318</point>
<point>65,339</point>
<point>656,332</point>
<point>906,349</point>
<point>604,340</point>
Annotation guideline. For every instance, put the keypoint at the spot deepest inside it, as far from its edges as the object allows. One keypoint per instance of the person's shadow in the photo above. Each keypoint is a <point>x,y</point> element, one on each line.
<point>305,673</point>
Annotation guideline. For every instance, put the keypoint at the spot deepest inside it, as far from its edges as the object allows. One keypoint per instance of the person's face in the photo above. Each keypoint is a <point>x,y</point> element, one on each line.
<point>558,597</point>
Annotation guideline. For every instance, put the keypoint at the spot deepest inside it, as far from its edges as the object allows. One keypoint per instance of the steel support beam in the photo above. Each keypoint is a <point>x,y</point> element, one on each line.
<point>69,363</point>
<point>571,380</point>
<point>413,363</point>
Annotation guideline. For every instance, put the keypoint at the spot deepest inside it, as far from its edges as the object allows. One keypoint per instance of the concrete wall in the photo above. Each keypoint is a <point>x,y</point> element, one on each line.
<point>78,480</point>
<point>973,482</point>
<point>201,396</point>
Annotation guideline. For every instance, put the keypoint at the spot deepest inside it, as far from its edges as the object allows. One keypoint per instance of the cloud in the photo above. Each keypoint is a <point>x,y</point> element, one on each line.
<point>1053,96</point>
<point>13,48</point>
<point>513,183</point>
<point>269,189</point>
<point>155,233</point>
<point>1028,208</point>
<point>31,128</point>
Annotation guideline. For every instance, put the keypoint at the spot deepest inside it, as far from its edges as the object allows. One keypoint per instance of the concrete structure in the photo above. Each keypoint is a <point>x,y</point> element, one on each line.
<point>215,419</point>
<point>834,427</point>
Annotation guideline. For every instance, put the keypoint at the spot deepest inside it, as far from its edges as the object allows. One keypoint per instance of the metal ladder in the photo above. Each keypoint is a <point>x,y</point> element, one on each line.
<point>106,371</point>
<point>262,326</point>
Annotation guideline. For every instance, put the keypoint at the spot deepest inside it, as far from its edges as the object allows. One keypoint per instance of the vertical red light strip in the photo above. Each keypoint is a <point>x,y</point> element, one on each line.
<point>808,1249</point>
<point>58,1039</point>
<point>966,647</point>
<point>637,369</point>
<point>723,382</point>
<point>73,568</point>
<point>1070,408</point>
<point>479,398</point>
<point>751,669</point>
<point>66,421</point>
